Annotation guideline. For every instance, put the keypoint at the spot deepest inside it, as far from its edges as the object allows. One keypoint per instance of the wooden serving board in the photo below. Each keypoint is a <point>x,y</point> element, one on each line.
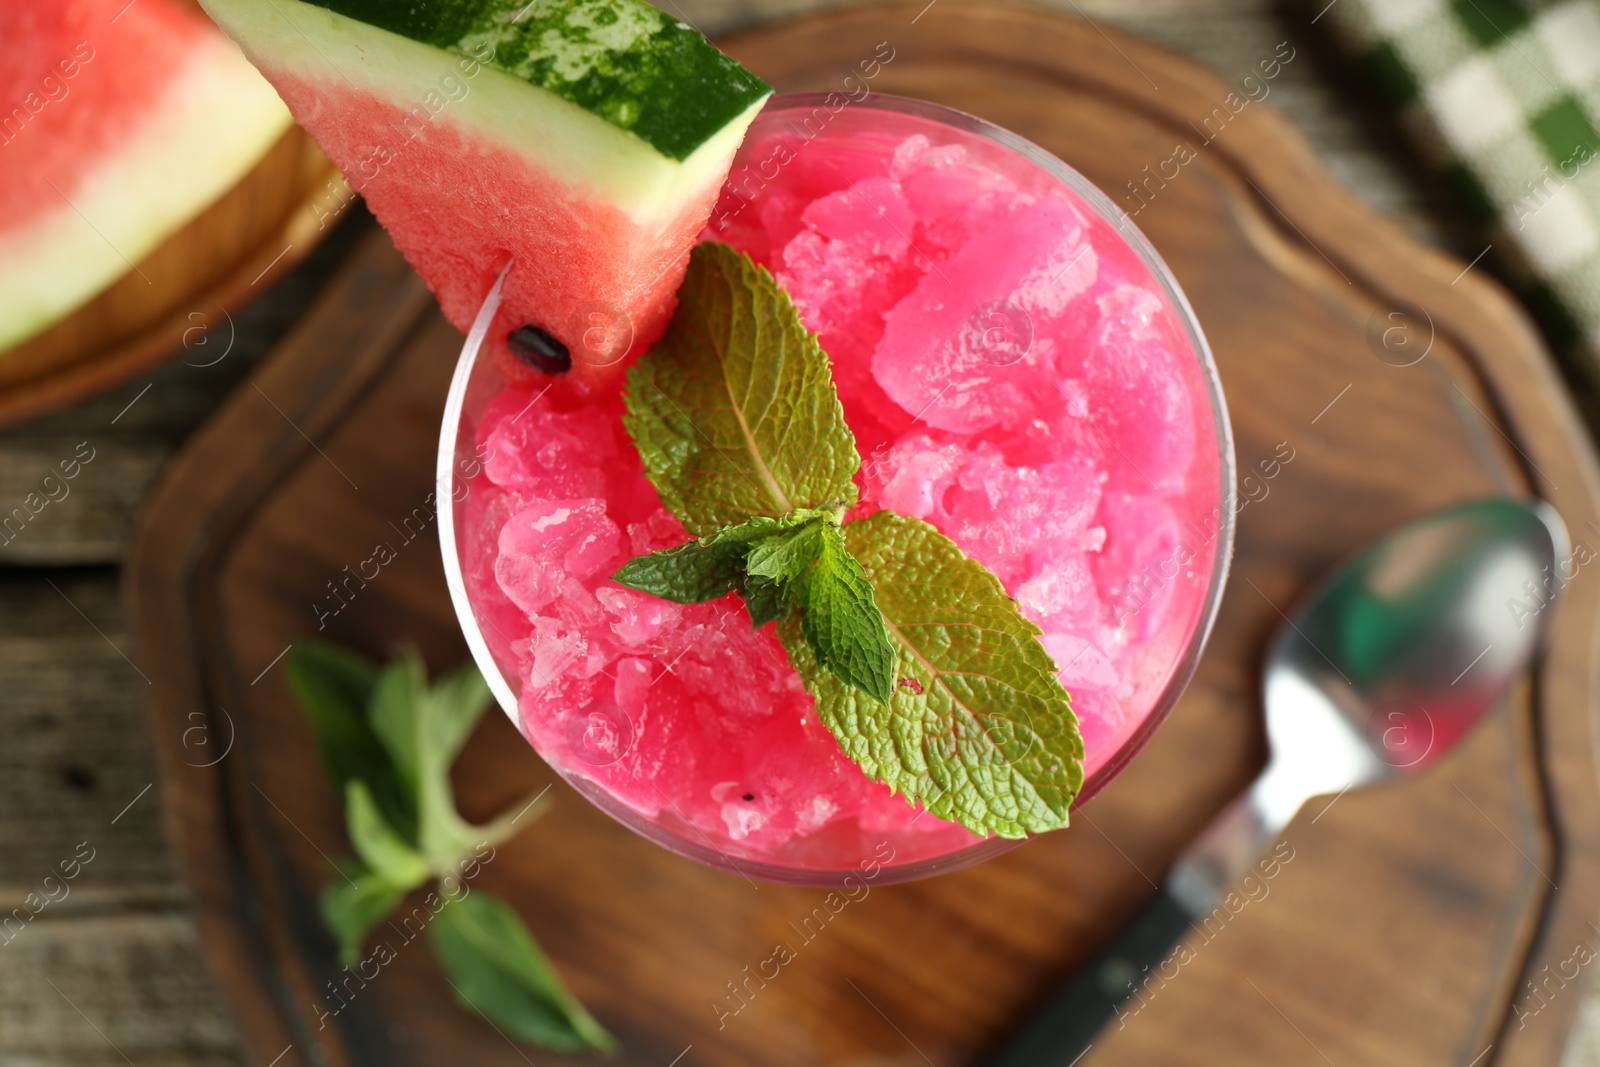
<point>1401,930</point>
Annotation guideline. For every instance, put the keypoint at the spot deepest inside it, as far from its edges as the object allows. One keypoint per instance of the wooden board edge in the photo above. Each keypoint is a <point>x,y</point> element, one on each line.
<point>299,232</point>
<point>182,533</point>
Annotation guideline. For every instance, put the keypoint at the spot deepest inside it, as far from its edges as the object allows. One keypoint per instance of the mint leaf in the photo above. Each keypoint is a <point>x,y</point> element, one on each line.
<point>703,569</point>
<point>780,563</point>
<point>393,715</point>
<point>686,573</point>
<point>423,730</point>
<point>334,686</point>
<point>454,707</point>
<point>786,557</point>
<point>734,412</point>
<point>808,567</point>
<point>355,903</point>
<point>497,969</point>
<point>841,621</point>
<point>378,844</point>
<point>978,729</point>
<point>765,601</point>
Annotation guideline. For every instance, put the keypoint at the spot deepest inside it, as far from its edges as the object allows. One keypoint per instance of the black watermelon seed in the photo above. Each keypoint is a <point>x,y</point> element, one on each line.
<point>535,347</point>
<point>749,797</point>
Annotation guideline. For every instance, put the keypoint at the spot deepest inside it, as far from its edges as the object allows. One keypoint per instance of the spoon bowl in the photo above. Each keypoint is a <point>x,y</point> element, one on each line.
<point>1385,666</point>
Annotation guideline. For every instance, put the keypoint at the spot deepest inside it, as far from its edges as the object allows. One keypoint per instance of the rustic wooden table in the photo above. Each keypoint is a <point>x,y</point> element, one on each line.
<point>111,973</point>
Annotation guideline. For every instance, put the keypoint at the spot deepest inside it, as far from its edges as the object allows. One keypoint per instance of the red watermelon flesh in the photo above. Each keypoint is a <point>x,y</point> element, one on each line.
<point>460,209</point>
<point>75,82</point>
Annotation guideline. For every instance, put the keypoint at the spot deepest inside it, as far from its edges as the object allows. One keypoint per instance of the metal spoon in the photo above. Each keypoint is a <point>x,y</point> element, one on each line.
<point>1379,672</point>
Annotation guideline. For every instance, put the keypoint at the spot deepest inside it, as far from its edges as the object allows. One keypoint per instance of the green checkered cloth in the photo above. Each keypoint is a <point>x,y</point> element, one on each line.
<point>1506,96</point>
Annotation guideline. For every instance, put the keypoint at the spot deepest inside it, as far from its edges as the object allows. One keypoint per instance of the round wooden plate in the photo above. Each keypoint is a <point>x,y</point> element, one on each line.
<point>222,258</point>
<point>1402,925</point>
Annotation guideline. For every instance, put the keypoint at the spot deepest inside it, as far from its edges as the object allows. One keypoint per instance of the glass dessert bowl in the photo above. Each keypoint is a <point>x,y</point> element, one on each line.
<point>1019,369</point>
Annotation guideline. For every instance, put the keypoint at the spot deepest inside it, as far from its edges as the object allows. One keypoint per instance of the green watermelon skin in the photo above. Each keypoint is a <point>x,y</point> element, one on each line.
<point>623,61</point>
<point>471,149</point>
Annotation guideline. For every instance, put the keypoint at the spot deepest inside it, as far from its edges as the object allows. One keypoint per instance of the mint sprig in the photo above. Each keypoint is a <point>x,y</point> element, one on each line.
<point>709,567</point>
<point>923,668</point>
<point>795,561</point>
<point>387,740</point>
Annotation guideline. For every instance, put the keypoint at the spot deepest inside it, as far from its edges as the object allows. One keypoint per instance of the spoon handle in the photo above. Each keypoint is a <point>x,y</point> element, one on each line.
<point>1064,1029</point>
<point>1230,843</point>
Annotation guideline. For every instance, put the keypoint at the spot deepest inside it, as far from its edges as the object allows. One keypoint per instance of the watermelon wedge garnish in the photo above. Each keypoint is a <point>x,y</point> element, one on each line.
<point>119,123</point>
<point>582,141</point>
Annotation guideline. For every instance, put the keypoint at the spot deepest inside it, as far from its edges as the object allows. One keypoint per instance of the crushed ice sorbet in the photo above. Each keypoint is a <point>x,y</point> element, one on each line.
<point>1013,375</point>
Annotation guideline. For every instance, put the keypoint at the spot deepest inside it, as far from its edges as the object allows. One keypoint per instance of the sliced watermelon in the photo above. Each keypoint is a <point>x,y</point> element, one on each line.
<point>121,123</point>
<point>584,141</point>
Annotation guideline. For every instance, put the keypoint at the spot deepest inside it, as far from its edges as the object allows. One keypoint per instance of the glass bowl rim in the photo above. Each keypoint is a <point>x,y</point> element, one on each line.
<point>1182,672</point>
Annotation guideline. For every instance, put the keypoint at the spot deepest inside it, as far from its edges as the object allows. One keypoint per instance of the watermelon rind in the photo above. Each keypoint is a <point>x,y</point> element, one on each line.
<point>622,60</point>
<point>464,86</point>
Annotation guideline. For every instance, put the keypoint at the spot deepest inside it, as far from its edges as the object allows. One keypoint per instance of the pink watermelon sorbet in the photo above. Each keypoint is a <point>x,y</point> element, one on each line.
<point>1014,374</point>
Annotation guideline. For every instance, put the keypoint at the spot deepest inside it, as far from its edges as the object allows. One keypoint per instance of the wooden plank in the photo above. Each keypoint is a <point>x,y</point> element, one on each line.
<point>77,752</point>
<point>111,990</point>
<point>78,786</point>
<point>69,500</point>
